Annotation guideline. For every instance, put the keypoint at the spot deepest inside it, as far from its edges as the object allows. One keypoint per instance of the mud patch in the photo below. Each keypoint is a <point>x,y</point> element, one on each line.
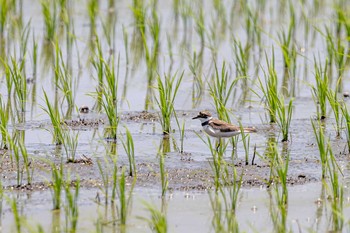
<point>83,160</point>
<point>140,116</point>
<point>84,123</point>
<point>199,177</point>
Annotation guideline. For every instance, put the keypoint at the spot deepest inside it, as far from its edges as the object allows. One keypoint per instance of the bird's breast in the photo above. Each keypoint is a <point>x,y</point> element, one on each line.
<point>209,130</point>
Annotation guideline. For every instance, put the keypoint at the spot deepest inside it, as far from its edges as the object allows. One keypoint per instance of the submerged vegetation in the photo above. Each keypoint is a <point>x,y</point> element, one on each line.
<point>101,61</point>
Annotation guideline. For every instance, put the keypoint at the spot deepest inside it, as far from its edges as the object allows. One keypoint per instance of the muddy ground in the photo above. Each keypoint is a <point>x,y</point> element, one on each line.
<point>186,171</point>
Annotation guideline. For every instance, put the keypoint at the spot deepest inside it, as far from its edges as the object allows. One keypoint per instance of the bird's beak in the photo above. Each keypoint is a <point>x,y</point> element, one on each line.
<point>196,117</point>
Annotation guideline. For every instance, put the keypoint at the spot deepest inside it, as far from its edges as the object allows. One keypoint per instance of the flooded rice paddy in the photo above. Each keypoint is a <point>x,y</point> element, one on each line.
<point>97,100</point>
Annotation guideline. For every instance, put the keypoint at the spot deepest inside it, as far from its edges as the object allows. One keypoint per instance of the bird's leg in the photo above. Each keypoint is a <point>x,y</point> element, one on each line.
<point>217,147</point>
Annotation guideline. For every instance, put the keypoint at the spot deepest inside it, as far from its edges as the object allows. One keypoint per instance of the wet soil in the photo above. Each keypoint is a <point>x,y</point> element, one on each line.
<point>186,171</point>
<point>148,176</point>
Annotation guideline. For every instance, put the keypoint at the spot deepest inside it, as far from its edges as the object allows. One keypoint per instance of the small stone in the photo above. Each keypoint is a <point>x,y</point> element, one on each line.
<point>254,209</point>
<point>84,109</point>
<point>346,94</point>
<point>318,201</point>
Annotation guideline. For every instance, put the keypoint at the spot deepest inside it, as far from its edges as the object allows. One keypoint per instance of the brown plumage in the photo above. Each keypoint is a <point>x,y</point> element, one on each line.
<point>217,126</point>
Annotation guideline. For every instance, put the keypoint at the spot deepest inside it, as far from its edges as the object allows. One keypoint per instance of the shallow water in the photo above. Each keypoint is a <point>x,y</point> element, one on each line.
<point>185,211</point>
<point>188,207</point>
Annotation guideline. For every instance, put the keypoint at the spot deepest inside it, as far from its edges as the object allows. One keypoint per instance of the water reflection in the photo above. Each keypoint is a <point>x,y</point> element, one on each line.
<point>56,221</point>
<point>278,211</point>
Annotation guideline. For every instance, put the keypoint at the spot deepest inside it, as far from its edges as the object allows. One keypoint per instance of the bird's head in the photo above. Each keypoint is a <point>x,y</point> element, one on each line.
<point>203,116</point>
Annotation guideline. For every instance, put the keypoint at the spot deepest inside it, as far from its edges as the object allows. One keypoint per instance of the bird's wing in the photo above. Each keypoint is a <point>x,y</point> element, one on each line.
<point>223,126</point>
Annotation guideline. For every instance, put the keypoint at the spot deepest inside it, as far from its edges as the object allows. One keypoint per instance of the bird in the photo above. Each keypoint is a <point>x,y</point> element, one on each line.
<point>218,128</point>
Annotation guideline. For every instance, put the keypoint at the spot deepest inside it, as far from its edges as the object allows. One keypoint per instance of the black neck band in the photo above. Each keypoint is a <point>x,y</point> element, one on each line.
<point>205,123</point>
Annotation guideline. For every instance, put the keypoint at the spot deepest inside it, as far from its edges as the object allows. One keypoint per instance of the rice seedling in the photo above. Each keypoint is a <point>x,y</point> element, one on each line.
<point>1,197</point>
<point>126,45</point>
<point>246,143</point>
<point>167,91</point>
<point>4,120</point>
<point>220,11</point>
<point>124,201</point>
<point>254,27</point>
<point>20,87</point>
<point>24,36</point>
<point>181,131</point>
<point>270,153</point>
<point>93,8</point>
<point>126,77</point>
<point>9,89</point>
<point>57,183</point>
<point>151,55</point>
<point>25,159</point>
<point>288,50</point>
<point>346,116</point>
<point>330,51</point>
<point>63,10</point>
<point>242,66</point>
<point>340,57</point>
<point>137,43</point>
<point>104,172</point>
<point>71,207</point>
<point>200,28</point>
<point>108,27</point>
<point>282,172</point>
<point>284,116</point>
<point>185,10</point>
<point>221,90</point>
<point>33,228</point>
<point>108,172</point>
<point>98,63</point>
<point>49,11</point>
<point>4,15</point>
<point>34,74</point>
<point>344,20</point>
<point>333,173</point>
<point>128,145</point>
<point>320,90</point>
<point>19,153</point>
<point>196,66</point>
<point>335,106</point>
<point>64,80</point>
<point>176,8</point>
<point>323,147</point>
<point>55,118</point>
<point>217,164</point>
<point>269,90</point>
<point>14,208</point>
<point>336,191</point>
<point>70,143</point>
<point>16,156</point>
<point>278,178</point>
<point>109,99</point>
<point>115,180</point>
<point>241,58</point>
<point>336,54</point>
<point>213,40</point>
<point>163,173</point>
<point>158,221</point>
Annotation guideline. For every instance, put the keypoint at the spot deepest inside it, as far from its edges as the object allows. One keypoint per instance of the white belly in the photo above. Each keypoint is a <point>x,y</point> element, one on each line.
<point>217,133</point>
